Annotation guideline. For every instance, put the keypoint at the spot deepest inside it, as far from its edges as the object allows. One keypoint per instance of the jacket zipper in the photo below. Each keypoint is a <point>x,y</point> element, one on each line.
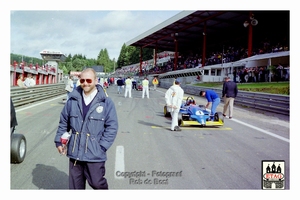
<point>86,143</point>
<point>75,142</point>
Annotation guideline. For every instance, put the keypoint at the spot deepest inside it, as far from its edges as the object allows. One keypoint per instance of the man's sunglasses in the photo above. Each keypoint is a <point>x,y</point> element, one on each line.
<point>87,80</point>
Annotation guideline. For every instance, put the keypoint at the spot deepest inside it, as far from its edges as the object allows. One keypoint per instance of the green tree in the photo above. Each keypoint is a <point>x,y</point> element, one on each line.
<point>131,55</point>
<point>64,69</point>
<point>103,59</point>
<point>121,59</point>
<point>78,64</point>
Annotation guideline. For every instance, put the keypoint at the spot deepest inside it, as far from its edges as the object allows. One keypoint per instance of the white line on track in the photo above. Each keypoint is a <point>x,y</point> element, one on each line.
<point>263,131</point>
<point>119,163</point>
<point>36,104</point>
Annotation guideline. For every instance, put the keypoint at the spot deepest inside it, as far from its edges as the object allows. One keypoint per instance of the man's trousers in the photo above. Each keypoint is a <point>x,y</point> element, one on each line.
<point>92,172</point>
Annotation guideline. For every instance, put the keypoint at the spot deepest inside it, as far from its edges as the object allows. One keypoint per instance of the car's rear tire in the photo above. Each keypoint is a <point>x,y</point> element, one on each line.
<point>18,148</point>
<point>166,113</point>
<point>179,119</point>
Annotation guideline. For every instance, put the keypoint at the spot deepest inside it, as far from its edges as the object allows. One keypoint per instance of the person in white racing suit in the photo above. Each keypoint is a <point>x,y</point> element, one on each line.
<point>174,97</point>
<point>128,86</point>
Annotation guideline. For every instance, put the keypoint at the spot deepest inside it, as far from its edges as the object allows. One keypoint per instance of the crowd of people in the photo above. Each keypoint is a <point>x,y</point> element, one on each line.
<point>227,55</point>
<point>261,74</point>
<point>130,83</point>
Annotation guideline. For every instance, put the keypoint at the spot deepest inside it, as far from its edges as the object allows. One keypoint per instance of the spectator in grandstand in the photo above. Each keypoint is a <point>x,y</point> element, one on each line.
<point>174,97</point>
<point>234,75</point>
<point>120,84</point>
<point>145,84</point>
<point>128,85</point>
<point>229,93</point>
<point>213,99</point>
<point>279,72</point>
<point>92,132</point>
<point>155,83</point>
<point>20,81</point>
<point>242,76</point>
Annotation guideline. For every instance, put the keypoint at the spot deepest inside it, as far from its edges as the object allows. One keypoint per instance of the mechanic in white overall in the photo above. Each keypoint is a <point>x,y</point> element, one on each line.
<point>128,86</point>
<point>174,97</point>
<point>145,84</point>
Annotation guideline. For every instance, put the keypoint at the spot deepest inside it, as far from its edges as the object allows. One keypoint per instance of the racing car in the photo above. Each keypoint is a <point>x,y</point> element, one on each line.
<point>192,114</point>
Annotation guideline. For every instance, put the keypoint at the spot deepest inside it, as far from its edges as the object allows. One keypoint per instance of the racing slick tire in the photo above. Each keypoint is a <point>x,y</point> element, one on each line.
<point>166,113</point>
<point>18,148</point>
<point>219,116</point>
<point>179,119</point>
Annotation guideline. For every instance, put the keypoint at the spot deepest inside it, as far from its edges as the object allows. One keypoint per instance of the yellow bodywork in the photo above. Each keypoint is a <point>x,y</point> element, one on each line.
<point>208,123</point>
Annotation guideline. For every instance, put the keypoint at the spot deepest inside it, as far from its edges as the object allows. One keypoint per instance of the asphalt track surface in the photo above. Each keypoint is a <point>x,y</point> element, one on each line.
<point>146,155</point>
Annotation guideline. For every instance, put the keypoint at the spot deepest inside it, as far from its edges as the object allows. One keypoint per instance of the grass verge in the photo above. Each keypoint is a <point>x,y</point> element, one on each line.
<point>266,87</point>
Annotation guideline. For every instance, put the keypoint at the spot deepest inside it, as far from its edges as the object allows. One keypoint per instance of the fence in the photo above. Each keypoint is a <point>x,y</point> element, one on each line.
<point>22,96</point>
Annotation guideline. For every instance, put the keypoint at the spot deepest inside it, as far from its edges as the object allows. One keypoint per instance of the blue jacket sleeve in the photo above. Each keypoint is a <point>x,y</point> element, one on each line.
<point>111,126</point>
<point>63,125</point>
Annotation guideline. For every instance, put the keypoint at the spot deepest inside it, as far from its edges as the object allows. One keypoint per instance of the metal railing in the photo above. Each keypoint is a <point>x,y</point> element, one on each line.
<point>22,96</point>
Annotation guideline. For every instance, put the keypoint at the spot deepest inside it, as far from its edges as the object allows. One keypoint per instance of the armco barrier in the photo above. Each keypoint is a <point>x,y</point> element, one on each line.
<point>262,101</point>
<point>22,96</point>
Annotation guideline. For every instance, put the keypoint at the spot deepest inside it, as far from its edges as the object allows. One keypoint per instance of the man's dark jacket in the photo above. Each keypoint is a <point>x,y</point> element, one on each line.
<point>229,89</point>
<point>120,82</point>
<point>90,136</point>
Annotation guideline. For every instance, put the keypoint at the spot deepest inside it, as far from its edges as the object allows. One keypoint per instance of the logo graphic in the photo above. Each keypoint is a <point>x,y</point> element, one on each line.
<point>273,175</point>
<point>99,109</point>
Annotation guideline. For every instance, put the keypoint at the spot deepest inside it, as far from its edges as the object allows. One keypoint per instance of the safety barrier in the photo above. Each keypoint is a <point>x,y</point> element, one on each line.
<point>22,96</point>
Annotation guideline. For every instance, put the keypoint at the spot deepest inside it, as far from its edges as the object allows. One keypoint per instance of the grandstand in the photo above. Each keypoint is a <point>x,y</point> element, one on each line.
<point>213,43</point>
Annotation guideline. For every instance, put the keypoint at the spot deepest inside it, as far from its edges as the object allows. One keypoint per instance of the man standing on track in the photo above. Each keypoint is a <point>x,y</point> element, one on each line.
<point>145,84</point>
<point>174,97</point>
<point>229,93</point>
<point>155,83</point>
<point>91,119</point>
<point>128,86</point>
<point>120,84</point>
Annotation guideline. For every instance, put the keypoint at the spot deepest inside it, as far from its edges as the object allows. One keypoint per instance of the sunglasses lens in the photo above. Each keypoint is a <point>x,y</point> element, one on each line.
<point>87,80</point>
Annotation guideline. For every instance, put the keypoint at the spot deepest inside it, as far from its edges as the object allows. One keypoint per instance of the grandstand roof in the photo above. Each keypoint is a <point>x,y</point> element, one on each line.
<point>223,28</point>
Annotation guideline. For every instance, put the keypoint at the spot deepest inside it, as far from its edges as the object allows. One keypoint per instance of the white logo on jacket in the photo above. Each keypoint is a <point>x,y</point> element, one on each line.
<point>99,109</point>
